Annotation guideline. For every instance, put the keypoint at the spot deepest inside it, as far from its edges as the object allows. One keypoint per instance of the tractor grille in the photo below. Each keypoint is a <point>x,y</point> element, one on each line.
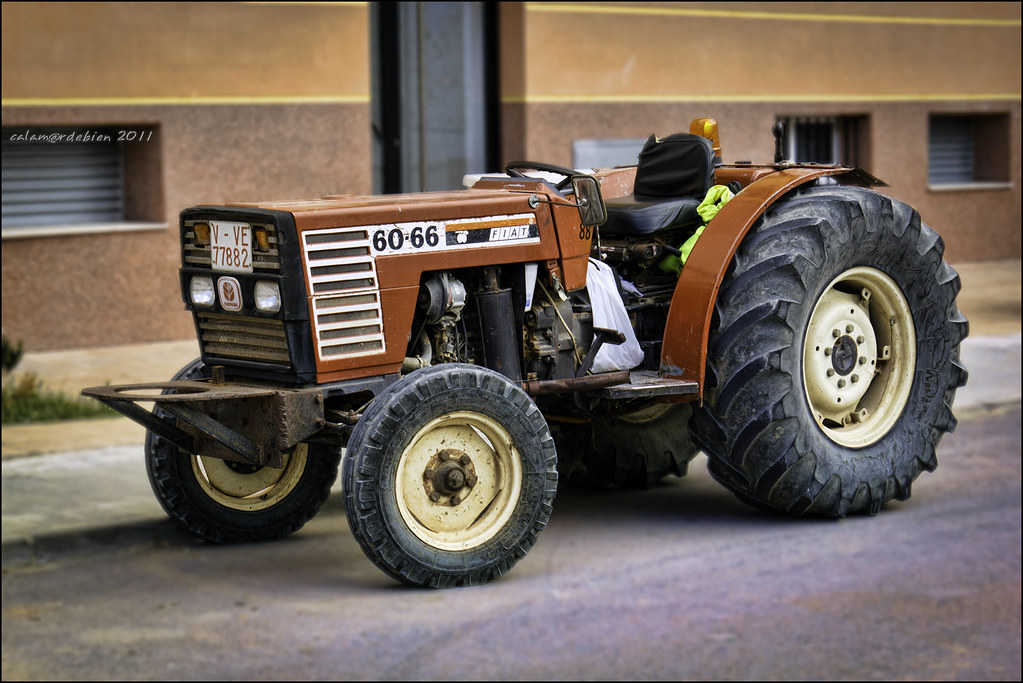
<point>346,295</point>
<point>244,338</point>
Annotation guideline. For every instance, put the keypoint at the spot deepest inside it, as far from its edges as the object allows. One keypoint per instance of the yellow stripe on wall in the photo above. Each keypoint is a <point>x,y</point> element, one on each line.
<point>198,100</point>
<point>583,8</point>
<point>608,99</point>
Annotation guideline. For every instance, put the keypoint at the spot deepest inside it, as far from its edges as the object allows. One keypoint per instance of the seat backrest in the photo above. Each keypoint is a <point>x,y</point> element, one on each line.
<point>678,165</point>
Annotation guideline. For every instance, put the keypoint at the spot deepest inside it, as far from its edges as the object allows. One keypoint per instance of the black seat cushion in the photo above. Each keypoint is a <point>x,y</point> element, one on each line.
<point>644,215</point>
<point>672,178</point>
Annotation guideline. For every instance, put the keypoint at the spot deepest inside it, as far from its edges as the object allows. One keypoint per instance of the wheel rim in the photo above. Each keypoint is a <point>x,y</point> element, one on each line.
<point>859,357</point>
<point>458,481</point>
<point>245,487</point>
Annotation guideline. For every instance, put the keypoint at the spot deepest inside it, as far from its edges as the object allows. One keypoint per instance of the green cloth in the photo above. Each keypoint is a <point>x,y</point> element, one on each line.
<point>716,197</point>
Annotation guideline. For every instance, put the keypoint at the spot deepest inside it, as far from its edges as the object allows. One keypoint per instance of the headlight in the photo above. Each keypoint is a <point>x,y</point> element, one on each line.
<point>268,296</point>
<point>201,290</point>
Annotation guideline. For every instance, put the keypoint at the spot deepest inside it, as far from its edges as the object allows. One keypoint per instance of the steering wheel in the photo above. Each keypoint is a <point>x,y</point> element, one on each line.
<point>512,169</point>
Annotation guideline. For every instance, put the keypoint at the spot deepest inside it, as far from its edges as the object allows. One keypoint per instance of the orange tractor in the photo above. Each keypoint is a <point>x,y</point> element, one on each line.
<point>468,350</point>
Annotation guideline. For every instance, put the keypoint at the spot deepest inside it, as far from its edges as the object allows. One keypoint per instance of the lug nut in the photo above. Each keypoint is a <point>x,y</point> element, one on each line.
<point>434,496</point>
<point>455,500</point>
<point>841,383</point>
<point>470,481</point>
<point>455,480</point>
<point>855,378</point>
<point>860,339</point>
<point>849,328</point>
<point>863,360</point>
<point>464,460</point>
<point>836,333</point>
<point>827,351</point>
<point>831,372</point>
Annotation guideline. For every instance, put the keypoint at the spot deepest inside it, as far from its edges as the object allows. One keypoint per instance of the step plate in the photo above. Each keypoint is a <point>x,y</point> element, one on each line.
<point>646,383</point>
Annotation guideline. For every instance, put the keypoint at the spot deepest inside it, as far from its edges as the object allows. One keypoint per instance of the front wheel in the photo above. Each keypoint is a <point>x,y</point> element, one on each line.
<point>834,357</point>
<point>228,502</point>
<point>449,477</point>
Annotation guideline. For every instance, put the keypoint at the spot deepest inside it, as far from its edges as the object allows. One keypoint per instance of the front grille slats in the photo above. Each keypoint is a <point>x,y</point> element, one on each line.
<point>346,295</point>
<point>244,338</point>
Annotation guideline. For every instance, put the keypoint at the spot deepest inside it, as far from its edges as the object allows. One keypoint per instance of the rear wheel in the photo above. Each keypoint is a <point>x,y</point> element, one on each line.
<point>450,475</point>
<point>228,502</point>
<point>632,449</point>
<point>834,357</point>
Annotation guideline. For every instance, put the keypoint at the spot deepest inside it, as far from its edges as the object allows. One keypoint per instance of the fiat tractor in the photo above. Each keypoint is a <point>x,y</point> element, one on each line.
<point>458,355</point>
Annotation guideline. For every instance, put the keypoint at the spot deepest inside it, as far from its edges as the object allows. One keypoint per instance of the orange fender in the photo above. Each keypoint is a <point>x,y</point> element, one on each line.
<point>684,351</point>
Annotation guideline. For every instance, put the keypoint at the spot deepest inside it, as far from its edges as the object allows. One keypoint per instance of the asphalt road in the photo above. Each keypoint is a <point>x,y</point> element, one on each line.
<point>681,582</point>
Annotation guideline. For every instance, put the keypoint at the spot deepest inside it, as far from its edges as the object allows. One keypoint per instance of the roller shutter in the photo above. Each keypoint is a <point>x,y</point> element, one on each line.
<point>61,183</point>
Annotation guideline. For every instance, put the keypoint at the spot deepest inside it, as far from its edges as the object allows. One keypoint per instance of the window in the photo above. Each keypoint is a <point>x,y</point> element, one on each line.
<point>606,153</point>
<point>968,149</point>
<point>66,179</point>
<point>827,140</point>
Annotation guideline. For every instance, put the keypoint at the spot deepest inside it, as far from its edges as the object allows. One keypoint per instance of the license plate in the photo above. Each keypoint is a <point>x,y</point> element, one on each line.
<point>231,246</point>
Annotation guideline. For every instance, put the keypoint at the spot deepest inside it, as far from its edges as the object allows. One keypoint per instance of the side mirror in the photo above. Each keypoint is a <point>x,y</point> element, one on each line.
<point>592,211</point>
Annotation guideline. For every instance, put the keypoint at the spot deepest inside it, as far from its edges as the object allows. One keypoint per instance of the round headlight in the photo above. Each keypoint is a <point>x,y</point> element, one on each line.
<point>268,296</point>
<point>201,290</point>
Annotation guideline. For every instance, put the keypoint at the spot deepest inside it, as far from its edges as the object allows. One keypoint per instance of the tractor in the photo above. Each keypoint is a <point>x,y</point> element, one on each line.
<point>457,355</point>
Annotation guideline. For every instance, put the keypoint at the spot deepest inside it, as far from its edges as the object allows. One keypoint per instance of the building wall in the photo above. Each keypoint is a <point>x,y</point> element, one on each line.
<point>627,70</point>
<point>252,101</point>
<point>247,101</point>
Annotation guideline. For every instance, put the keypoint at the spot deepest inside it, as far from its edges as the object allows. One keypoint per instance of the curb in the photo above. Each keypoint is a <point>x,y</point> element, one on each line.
<point>35,551</point>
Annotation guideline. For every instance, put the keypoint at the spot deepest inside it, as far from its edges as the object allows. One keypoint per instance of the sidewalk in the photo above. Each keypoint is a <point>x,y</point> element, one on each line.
<point>80,487</point>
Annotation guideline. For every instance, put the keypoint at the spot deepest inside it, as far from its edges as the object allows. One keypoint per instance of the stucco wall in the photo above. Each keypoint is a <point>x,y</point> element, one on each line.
<point>253,101</point>
<point>77,290</point>
<point>248,101</point>
<point>626,70</point>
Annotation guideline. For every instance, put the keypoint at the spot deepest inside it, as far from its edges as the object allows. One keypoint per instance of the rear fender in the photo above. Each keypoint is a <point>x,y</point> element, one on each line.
<point>684,351</point>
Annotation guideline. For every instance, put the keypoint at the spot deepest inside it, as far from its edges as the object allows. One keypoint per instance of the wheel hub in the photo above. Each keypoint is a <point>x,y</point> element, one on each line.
<point>844,355</point>
<point>462,445</point>
<point>841,355</point>
<point>859,356</point>
<point>449,476</point>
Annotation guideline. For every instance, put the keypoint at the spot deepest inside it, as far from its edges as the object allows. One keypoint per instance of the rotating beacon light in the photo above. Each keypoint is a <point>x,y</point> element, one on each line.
<point>708,128</point>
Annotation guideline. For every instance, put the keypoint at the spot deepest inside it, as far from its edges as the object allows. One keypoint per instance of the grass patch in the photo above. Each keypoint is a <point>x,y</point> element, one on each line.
<point>25,400</point>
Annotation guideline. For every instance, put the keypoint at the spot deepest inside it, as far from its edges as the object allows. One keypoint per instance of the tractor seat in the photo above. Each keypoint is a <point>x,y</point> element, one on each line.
<point>645,215</point>
<point>672,178</point>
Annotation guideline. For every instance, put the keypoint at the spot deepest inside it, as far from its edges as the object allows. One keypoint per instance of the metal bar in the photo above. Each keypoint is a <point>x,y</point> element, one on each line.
<point>151,422</point>
<point>535,387</point>
<point>217,431</point>
<point>602,337</point>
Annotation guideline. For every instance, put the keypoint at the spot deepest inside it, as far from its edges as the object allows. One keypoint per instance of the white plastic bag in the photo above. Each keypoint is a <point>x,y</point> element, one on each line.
<point>609,314</point>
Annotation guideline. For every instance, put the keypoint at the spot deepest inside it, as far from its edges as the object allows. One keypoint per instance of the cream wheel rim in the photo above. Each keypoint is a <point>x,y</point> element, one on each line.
<point>458,481</point>
<point>247,488</point>
<point>859,357</point>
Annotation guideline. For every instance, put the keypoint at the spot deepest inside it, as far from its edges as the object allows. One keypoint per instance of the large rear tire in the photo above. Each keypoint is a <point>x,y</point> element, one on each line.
<point>834,356</point>
<point>449,477</point>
